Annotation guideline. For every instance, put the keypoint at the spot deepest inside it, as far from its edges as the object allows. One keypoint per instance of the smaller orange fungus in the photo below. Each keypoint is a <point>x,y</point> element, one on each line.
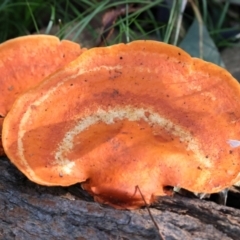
<point>143,115</point>
<point>26,61</point>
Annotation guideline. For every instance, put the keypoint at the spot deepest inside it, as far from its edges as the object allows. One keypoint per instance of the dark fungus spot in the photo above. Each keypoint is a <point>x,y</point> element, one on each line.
<point>63,55</point>
<point>117,71</point>
<point>206,156</point>
<point>230,152</point>
<point>121,57</point>
<point>179,54</point>
<point>147,114</point>
<point>10,88</point>
<point>71,84</point>
<point>85,80</point>
<point>115,93</point>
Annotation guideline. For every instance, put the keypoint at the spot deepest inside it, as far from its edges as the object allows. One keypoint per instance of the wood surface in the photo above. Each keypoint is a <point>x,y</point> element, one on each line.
<point>30,211</point>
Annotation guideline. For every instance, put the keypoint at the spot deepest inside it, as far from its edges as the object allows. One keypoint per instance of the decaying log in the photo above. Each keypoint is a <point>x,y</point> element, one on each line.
<point>30,211</point>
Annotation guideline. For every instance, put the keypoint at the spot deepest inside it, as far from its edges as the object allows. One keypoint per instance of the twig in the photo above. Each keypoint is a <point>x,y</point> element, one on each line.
<point>150,214</point>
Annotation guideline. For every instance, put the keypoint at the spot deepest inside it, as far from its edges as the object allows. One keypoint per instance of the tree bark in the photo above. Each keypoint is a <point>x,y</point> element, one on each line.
<point>30,211</point>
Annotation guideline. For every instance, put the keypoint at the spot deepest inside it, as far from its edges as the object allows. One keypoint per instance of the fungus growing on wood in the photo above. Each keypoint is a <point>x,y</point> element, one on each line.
<point>144,115</point>
<point>25,61</point>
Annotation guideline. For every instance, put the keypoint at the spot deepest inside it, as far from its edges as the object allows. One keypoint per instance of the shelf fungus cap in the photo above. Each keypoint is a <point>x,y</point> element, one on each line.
<point>26,61</point>
<point>129,118</point>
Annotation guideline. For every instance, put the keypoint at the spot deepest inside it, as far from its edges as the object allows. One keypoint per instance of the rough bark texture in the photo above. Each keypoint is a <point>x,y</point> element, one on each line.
<point>30,211</point>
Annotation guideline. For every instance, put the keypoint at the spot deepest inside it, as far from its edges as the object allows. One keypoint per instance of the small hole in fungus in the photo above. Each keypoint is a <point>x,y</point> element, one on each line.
<point>168,189</point>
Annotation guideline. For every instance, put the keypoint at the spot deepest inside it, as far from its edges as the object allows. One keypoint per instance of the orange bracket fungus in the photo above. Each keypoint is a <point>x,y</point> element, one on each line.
<point>143,115</point>
<point>25,61</point>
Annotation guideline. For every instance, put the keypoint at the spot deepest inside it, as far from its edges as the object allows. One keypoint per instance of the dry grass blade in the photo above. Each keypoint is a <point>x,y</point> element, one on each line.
<point>200,22</point>
<point>108,21</point>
